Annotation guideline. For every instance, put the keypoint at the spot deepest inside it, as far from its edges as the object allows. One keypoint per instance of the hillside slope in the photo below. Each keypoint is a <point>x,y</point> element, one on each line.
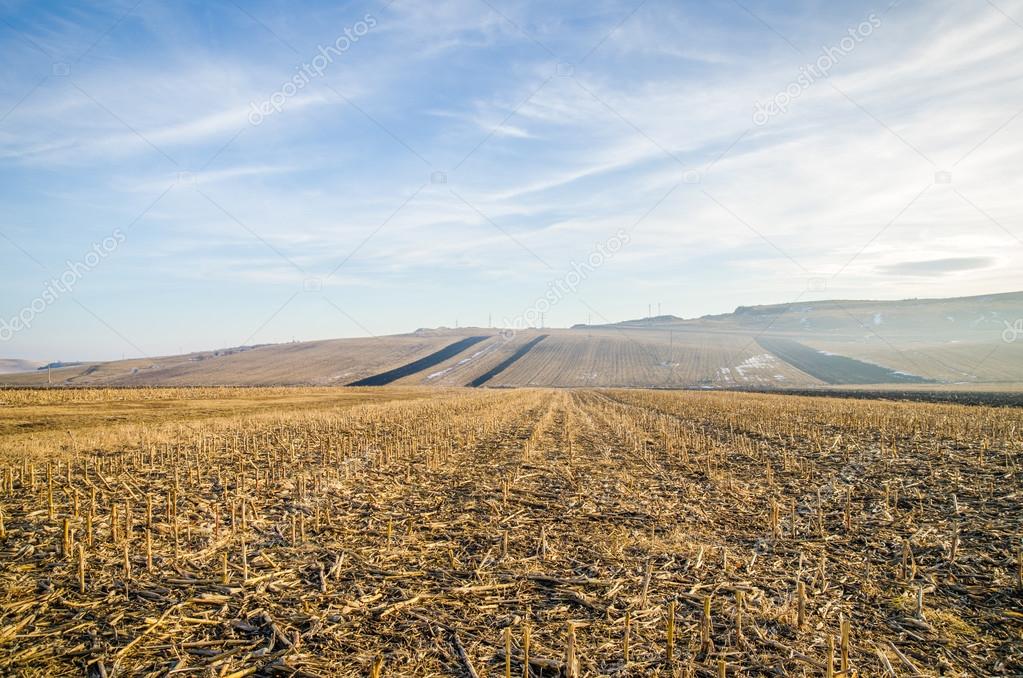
<point>963,342</point>
<point>13,365</point>
<point>317,363</point>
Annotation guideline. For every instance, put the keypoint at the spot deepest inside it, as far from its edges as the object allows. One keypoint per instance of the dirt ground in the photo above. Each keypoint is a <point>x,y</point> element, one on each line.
<point>478,532</point>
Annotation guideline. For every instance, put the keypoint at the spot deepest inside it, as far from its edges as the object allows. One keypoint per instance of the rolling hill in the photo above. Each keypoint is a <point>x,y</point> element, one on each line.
<point>13,365</point>
<point>948,342</point>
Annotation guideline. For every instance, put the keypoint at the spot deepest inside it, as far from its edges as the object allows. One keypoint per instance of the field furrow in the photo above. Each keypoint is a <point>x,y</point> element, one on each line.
<point>432,536</point>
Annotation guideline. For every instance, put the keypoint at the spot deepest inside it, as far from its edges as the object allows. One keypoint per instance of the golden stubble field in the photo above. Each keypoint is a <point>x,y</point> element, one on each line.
<point>409,532</point>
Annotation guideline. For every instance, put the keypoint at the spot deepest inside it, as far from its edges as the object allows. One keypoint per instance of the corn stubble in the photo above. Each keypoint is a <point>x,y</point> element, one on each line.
<point>521,533</point>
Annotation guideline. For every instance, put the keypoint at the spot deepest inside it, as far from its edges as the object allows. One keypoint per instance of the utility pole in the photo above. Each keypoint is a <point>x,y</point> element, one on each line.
<point>49,381</point>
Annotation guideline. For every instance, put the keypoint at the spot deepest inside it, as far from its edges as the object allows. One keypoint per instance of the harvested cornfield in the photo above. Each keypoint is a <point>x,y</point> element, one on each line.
<point>527,532</point>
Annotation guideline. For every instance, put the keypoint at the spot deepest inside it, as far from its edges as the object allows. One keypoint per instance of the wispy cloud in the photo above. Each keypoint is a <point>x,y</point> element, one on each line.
<point>939,267</point>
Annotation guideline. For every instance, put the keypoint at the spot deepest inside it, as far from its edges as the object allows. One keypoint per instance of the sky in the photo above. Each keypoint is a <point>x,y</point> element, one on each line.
<point>187,175</point>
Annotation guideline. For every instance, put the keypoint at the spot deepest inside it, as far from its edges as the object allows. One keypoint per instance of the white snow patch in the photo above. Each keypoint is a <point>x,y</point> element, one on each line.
<point>764,361</point>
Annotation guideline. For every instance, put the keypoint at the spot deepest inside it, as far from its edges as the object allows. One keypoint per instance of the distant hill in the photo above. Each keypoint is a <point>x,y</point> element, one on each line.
<point>958,342</point>
<point>642,322</point>
<point>14,365</point>
<point>928,319</point>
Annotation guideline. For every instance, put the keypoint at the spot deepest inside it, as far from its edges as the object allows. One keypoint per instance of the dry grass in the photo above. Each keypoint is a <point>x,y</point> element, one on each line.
<point>992,363</point>
<point>700,353</point>
<point>475,532</point>
<point>649,358</point>
<point>61,410</point>
<point>316,363</point>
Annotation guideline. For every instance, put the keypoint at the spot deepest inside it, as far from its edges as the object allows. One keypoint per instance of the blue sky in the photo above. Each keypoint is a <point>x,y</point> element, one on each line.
<point>452,159</point>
